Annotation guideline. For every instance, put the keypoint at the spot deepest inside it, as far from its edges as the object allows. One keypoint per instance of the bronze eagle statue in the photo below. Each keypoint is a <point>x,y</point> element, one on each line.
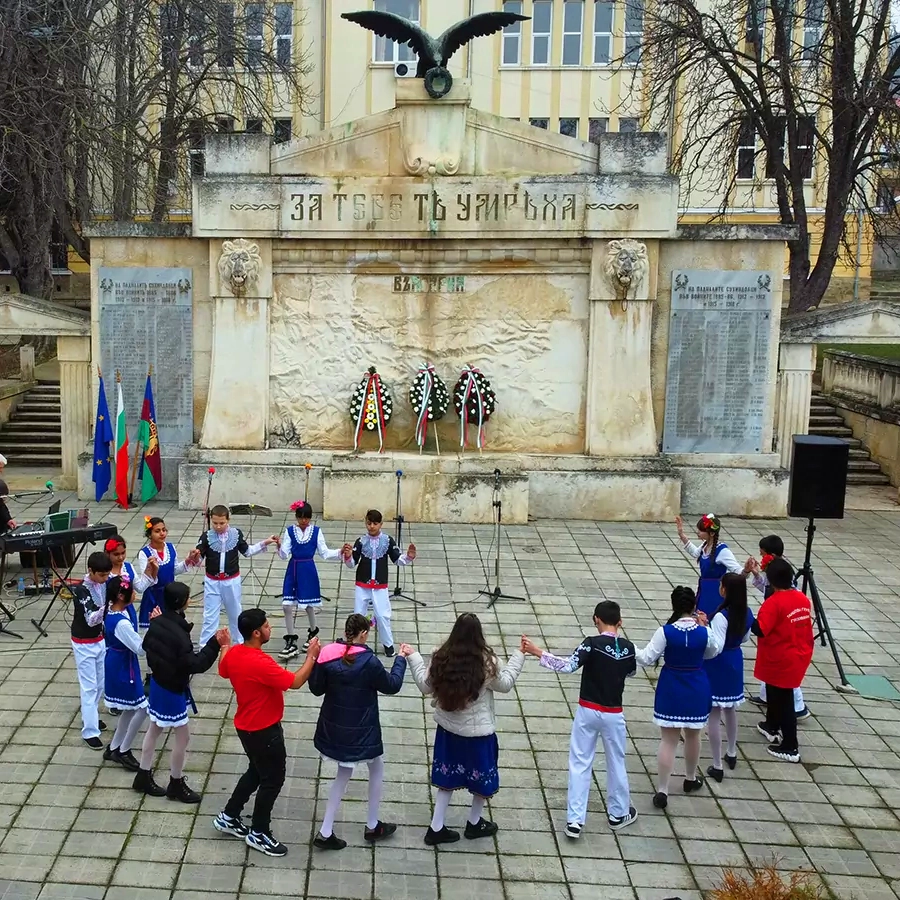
<point>433,54</point>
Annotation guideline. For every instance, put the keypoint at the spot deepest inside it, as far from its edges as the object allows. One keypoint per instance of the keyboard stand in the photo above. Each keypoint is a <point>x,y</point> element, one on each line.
<point>63,583</point>
<point>4,611</point>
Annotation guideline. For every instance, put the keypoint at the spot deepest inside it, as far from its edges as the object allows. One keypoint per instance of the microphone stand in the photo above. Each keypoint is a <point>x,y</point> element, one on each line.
<point>495,593</point>
<point>399,520</point>
<point>209,482</point>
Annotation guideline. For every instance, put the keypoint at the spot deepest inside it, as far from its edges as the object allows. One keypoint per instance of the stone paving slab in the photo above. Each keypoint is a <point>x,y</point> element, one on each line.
<point>70,827</point>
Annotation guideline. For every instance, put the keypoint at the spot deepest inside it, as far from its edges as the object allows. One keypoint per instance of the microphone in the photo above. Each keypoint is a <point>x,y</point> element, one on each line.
<point>49,486</point>
<point>212,471</point>
<point>399,473</point>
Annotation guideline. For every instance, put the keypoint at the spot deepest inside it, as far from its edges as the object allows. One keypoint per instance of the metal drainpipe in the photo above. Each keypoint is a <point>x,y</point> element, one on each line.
<point>859,221</point>
<point>469,48</point>
<point>323,38</point>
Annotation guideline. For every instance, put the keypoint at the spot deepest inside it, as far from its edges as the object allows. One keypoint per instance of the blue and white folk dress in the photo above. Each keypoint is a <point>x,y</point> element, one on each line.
<point>726,671</point>
<point>712,568</point>
<point>123,687</point>
<point>152,588</point>
<point>683,695</point>
<point>301,578</point>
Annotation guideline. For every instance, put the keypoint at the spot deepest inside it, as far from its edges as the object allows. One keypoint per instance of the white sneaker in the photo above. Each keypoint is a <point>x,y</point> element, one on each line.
<point>573,830</point>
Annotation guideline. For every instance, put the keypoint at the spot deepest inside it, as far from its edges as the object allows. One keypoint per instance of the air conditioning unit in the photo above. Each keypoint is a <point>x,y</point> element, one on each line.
<point>404,70</point>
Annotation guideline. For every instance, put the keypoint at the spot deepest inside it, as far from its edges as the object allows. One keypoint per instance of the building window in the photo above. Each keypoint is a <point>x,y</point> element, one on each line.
<point>755,26</point>
<point>254,14</point>
<point>806,141</point>
<point>541,30</point>
<point>629,125</point>
<point>573,19</point>
<point>59,249</point>
<point>603,26</point>
<point>168,28</point>
<point>387,50</point>
<point>774,159</point>
<point>196,145</point>
<point>284,33</point>
<point>568,127</point>
<point>634,31</point>
<point>746,149</point>
<point>225,124</point>
<point>512,35</point>
<point>198,29</point>
<point>813,22</point>
<point>596,127</point>
<point>254,126</point>
<point>282,131</point>
<point>225,35</point>
<point>540,123</point>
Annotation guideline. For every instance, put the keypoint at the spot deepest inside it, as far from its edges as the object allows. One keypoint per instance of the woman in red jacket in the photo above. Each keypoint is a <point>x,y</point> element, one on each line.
<point>784,628</point>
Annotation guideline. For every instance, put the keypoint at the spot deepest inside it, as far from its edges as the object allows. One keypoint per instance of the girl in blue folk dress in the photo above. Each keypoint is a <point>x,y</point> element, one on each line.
<point>116,551</point>
<point>731,627</point>
<point>683,696</point>
<point>158,565</point>
<point>714,559</point>
<point>299,544</point>
<point>123,688</point>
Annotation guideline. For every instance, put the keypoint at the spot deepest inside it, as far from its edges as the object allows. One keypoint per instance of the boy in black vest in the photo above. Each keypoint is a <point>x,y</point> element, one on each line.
<point>606,660</point>
<point>88,645</point>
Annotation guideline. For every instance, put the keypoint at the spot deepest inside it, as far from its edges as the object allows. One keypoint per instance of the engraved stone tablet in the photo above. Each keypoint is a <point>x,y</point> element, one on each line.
<point>146,318</point>
<point>719,347</point>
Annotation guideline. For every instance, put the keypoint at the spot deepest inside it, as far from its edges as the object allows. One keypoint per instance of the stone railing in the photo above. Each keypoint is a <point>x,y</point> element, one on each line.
<point>866,384</point>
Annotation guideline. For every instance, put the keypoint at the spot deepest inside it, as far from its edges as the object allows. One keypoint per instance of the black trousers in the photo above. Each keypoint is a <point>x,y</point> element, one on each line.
<point>780,715</point>
<point>266,773</point>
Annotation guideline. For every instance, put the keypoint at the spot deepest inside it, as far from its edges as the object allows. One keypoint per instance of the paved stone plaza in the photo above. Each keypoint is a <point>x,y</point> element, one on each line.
<point>70,827</point>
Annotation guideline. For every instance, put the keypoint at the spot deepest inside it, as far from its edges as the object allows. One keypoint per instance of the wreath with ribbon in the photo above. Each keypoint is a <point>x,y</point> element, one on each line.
<point>371,407</point>
<point>429,398</point>
<point>474,401</point>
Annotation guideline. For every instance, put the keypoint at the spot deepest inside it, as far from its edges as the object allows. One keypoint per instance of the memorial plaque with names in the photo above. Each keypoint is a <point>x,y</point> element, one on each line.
<point>717,384</point>
<point>146,318</point>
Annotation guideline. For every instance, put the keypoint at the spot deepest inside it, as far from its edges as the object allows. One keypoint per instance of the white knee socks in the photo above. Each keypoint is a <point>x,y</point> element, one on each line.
<point>476,809</point>
<point>288,608</point>
<point>441,804</point>
<point>715,736</point>
<point>376,781</point>
<point>311,616</point>
<point>335,795</point>
<point>665,757</point>
<point>731,730</point>
<point>691,753</point>
<point>148,749</point>
<point>127,728</point>
<point>181,739</point>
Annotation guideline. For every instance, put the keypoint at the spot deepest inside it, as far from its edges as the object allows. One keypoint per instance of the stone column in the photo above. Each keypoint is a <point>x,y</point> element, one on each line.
<point>796,364</point>
<point>619,419</point>
<point>74,354</point>
<point>237,407</point>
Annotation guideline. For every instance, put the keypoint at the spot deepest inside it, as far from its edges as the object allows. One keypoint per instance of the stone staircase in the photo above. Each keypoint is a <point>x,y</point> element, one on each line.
<point>825,419</point>
<point>33,434</point>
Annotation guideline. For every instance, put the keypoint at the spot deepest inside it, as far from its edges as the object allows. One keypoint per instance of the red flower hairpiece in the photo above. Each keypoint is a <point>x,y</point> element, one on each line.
<point>295,506</point>
<point>764,562</point>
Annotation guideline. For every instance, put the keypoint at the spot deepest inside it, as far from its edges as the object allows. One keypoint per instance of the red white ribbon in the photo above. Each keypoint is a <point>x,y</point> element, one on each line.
<point>471,387</point>
<point>373,386</point>
<point>427,389</point>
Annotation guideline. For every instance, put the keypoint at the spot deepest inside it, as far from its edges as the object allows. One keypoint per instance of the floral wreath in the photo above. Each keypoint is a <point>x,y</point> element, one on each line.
<point>429,398</point>
<point>371,407</point>
<point>709,522</point>
<point>474,400</point>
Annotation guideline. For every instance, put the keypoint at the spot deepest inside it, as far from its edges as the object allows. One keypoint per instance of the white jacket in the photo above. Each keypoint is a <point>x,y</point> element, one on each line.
<point>477,719</point>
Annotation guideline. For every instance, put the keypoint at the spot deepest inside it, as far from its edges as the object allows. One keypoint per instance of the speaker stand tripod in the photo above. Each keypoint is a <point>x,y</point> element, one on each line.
<point>253,510</point>
<point>824,630</point>
<point>397,592</point>
<point>497,510</point>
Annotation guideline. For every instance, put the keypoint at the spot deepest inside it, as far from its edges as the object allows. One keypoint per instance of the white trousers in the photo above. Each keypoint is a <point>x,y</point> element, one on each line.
<point>799,704</point>
<point>89,666</point>
<point>217,594</point>
<point>589,725</point>
<point>381,603</point>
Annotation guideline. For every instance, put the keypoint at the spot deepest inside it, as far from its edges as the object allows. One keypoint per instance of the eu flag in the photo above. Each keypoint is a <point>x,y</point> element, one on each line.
<point>103,434</point>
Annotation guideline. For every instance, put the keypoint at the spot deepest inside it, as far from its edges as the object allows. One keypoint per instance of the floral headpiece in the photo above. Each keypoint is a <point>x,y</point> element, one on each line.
<point>147,521</point>
<point>298,504</point>
<point>764,562</point>
<point>709,522</point>
<point>112,543</point>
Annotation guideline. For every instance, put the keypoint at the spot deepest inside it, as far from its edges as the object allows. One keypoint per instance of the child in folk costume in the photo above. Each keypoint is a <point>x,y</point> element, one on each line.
<point>299,544</point>
<point>116,551</point>
<point>463,675</point>
<point>606,661</point>
<point>683,695</point>
<point>221,547</point>
<point>370,555</point>
<point>350,677</point>
<point>158,565</point>
<point>123,688</point>
<point>731,627</point>
<point>713,557</point>
<point>88,646</point>
<point>771,547</point>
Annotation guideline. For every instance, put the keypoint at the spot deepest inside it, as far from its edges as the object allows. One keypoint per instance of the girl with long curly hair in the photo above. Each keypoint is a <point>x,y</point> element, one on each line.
<point>463,676</point>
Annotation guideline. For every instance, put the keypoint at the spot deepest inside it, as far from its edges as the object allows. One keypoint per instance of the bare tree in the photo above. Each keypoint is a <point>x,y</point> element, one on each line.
<point>768,94</point>
<point>104,105</point>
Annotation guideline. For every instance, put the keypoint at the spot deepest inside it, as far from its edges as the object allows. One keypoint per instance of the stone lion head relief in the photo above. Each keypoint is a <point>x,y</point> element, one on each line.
<point>626,267</point>
<point>239,266</point>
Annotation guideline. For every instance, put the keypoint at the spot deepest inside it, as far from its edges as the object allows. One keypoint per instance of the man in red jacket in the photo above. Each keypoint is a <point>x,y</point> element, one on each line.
<point>259,685</point>
<point>784,628</point>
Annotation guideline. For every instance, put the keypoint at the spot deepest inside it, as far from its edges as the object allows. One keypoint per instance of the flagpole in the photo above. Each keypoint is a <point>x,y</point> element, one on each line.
<point>137,448</point>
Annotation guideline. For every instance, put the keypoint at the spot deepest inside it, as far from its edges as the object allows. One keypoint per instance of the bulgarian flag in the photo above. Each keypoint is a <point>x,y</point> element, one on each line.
<point>151,466</point>
<point>121,450</point>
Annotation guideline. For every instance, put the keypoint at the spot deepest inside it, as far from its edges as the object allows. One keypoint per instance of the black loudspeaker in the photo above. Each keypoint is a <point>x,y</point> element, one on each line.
<point>818,477</point>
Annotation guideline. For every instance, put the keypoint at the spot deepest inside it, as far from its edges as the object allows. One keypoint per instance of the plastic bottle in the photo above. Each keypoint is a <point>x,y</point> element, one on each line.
<point>20,585</point>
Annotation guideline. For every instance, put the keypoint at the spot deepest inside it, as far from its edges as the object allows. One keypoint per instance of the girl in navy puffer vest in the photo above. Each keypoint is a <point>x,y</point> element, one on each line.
<point>350,677</point>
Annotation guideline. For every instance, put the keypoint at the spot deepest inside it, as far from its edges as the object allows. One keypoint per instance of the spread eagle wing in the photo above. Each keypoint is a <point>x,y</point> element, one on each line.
<point>389,25</point>
<point>482,25</point>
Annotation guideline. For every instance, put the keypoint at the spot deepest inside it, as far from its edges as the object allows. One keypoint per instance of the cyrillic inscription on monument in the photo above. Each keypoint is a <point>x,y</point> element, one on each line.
<point>429,284</point>
<point>146,318</point>
<point>719,362</point>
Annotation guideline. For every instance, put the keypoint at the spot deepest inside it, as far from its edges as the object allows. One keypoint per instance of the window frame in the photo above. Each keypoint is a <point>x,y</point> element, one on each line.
<point>743,147</point>
<point>566,6</point>
<point>573,119</point>
<point>542,35</point>
<point>807,151</point>
<point>282,39</point>
<point>254,125</point>
<point>631,56</point>
<point>226,45</point>
<point>401,53</point>
<point>607,35</point>
<point>772,162</point>
<point>533,122</point>
<point>812,35</point>
<point>512,35</point>
<point>279,122</point>
<point>594,122</point>
<point>629,129</point>
<point>255,41</point>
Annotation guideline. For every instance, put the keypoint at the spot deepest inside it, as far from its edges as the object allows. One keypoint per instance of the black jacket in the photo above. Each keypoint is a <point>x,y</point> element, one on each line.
<point>170,652</point>
<point>349,729</point>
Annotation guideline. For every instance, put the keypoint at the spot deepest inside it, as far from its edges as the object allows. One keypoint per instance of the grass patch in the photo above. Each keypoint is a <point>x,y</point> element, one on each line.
<point>881,351</point>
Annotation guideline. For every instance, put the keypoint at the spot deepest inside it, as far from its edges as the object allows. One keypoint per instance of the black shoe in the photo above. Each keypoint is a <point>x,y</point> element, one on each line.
<point>103,726</point>
<point>716,774</point>
<point>803,714</point>
<point>573,830</point>
<point>114,712</point>
<point>144,784</point>
<point>444,836</point>
<point>178,790</point>
<point>310,634</point>
<point>731,761</point>
<point>695,785</point>
<point>290,647</point>
<point>233,825</point>
<point>660,800</point>
<point>389,651</point>
<point>332,842</point>
<point>778,751</point>
<point>381,831</point>
<point>481,829</point>
<point>766,731</point>
<point>94,743</point>
<point>110,755</point>
<point>617,823</point>
<point>265,843</point>
<point>128,761</point>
